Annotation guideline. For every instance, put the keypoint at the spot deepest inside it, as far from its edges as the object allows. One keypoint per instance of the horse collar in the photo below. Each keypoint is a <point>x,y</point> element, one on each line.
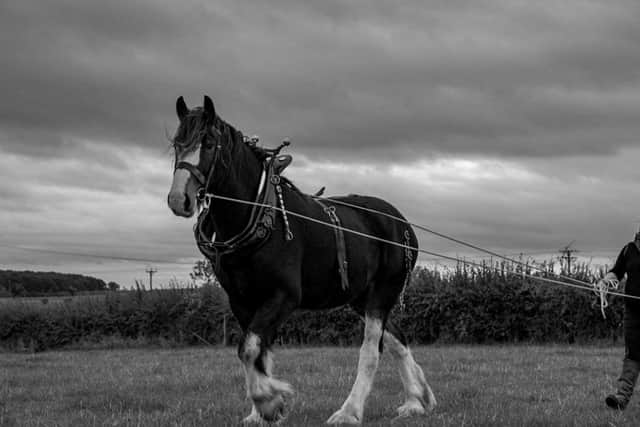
<point>259,227</point>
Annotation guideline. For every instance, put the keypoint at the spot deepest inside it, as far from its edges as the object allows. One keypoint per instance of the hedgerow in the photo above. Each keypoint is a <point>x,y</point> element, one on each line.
<point>478,305</point>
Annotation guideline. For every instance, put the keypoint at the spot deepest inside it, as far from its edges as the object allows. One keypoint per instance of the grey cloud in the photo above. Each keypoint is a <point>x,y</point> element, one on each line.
<point>489,77</point>
<point>553,203</point>
<point>550,85</point>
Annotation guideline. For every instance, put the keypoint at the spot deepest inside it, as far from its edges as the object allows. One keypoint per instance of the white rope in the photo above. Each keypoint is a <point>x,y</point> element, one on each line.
<point>452,239</point>
<point>602,288</point>
<point>97,256</point>
<point>585,286</point>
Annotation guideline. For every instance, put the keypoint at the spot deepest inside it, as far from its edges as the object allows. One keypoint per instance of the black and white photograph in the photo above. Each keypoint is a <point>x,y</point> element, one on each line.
<point>331,212</point>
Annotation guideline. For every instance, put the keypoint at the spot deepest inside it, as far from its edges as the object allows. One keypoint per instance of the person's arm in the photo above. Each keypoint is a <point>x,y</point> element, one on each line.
<point>619,269</point>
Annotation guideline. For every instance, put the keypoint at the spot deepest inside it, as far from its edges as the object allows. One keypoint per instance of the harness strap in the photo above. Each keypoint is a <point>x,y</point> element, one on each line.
<point>408,263</point>
<point>199,176</point>
<point>341,252</point>
<point>257,231</point>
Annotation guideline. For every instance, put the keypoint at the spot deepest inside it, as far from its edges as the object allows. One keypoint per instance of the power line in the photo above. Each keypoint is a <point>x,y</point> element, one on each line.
<point>87,255</point>
<point>513,254</point>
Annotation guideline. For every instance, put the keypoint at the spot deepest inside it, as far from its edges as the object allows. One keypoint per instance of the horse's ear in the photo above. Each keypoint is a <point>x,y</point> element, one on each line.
<point>209,109</point>
<point>181,108</point>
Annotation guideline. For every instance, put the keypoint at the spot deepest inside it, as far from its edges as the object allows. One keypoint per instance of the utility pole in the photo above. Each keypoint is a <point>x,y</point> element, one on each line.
<point>224,330</point>
<point>567,255</point>
<point>151,271</point>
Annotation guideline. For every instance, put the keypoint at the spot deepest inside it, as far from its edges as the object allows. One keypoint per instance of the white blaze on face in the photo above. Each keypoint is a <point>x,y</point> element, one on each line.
<point>181,176</point>
<point>178,193</point>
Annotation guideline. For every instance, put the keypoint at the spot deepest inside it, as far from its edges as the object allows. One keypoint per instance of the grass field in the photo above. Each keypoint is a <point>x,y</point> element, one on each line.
<point>474,385</point>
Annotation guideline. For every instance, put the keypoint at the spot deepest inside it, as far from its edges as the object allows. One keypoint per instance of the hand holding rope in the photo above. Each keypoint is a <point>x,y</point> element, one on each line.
<point>602,287</point>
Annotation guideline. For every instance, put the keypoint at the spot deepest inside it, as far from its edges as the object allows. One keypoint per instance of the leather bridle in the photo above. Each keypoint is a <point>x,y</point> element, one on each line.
<point>196,173</point>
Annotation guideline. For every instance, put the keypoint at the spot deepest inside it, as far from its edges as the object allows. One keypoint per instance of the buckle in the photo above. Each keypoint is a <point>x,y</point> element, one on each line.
<point>206,201</point>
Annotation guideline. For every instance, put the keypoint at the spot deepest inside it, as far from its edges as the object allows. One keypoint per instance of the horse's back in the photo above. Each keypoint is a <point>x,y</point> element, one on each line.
<point>369,204</point>
<point>386,220</point>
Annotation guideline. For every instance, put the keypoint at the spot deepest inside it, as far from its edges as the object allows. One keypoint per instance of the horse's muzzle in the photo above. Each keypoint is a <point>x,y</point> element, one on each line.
<point>180,204</point>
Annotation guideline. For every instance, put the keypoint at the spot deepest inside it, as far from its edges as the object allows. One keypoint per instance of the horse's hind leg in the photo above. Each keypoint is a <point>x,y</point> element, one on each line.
<point>418,394</point>
<point>353,408</point>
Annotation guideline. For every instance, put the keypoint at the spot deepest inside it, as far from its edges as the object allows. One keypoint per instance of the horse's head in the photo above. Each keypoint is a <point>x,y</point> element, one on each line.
<point>197,145</point>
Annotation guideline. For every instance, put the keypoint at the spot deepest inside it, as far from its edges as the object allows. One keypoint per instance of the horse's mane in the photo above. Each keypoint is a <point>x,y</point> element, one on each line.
<point>259,152</point>
<point>194,127</point>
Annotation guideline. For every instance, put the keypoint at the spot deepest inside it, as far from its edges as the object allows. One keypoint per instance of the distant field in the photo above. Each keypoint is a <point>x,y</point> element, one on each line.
<point>51,301</point>
<point>474,385</point>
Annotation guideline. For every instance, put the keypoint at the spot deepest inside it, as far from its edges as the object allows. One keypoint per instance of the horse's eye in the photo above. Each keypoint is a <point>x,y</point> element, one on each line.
<point>207,142</point>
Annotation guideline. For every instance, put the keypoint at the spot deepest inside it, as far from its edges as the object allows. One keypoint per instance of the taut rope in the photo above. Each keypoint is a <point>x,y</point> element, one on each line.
<point>582,285</point>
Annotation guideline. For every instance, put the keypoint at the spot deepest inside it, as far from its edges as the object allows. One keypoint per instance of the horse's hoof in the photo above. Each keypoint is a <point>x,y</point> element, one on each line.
<point>616,401</point>
<point>343,417</point>
<point>411,409</point>
<point>253,418</point>
<point>271,409</point>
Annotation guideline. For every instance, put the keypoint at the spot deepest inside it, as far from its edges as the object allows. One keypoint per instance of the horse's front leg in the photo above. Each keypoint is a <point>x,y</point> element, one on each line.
<point>266,392</point>
<point>244,316</point>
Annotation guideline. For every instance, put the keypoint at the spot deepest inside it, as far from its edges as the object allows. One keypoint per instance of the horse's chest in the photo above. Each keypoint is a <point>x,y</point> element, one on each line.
<point>248,283</point>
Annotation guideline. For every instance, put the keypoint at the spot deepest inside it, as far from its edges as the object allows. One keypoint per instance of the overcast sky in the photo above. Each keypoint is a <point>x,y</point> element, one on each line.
<point>511,124</point>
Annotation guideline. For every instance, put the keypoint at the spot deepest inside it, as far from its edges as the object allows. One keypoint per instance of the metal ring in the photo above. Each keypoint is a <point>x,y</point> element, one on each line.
<point>206,202</point>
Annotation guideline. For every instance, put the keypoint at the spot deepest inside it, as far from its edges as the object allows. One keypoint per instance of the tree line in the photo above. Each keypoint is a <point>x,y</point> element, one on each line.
<point>36,283</point>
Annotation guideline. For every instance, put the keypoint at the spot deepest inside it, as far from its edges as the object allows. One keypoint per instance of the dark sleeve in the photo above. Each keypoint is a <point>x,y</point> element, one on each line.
<point>620,267</point>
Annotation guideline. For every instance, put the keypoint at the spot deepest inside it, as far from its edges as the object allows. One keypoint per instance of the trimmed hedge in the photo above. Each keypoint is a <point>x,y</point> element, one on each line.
<point>463,306</point>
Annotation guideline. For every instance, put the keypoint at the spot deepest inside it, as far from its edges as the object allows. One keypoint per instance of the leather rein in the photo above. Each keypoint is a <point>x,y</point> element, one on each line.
<point>196,173</point>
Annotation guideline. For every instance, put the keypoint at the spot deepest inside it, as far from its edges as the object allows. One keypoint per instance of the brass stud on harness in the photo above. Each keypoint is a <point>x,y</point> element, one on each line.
<point>408,260</point>
<point>206,201</point>
<point>288,234</point>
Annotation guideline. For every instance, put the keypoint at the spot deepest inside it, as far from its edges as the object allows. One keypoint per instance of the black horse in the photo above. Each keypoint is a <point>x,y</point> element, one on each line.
<point>271,263</point>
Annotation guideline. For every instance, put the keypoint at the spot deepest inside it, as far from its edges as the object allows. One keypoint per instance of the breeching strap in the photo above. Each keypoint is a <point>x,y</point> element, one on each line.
<point>341,253</point>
